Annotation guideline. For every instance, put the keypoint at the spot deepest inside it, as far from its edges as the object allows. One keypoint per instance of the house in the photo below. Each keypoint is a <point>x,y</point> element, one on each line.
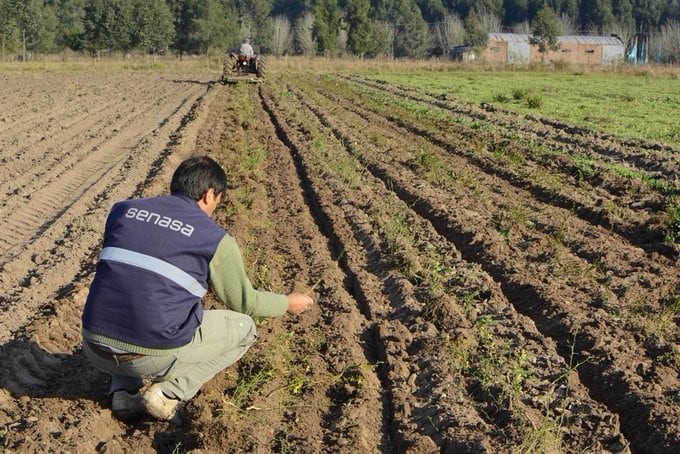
<point>516,48</point>
<point>463,53</point>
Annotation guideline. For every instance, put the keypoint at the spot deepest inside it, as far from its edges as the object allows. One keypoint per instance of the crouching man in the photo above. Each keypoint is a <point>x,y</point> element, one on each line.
<point>143,317</point>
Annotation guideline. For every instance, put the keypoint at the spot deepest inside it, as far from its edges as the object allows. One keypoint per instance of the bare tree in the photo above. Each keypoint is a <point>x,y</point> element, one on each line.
<point>489,21</point>
<point>384,33</point>
<point>282,41</point>
<point>626,33</point>
<point>342,39</point>
<point>522,27</point>
<point>668,42</point>
<point>447,33</point>
<point>304,39</point>
<point>566,25</point>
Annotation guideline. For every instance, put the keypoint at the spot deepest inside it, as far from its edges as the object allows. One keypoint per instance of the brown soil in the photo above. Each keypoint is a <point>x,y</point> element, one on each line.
<point>472,294</point>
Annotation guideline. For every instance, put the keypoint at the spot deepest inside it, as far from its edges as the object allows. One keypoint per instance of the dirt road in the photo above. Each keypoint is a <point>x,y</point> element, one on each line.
<point>479,288</point>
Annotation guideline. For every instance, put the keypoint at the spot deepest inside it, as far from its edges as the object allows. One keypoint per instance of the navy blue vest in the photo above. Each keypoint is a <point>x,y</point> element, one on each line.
<point>152,272</point>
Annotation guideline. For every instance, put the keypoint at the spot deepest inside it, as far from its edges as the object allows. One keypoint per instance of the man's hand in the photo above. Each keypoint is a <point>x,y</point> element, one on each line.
<point>298,303</point>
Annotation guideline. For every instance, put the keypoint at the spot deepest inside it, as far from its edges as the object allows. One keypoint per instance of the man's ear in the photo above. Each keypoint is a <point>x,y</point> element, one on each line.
<point>206,195</point>
<point>203,202</point>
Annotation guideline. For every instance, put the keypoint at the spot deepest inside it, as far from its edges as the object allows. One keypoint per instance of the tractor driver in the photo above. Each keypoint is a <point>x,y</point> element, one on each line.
<point>144,316</point>
<point>246,49</point>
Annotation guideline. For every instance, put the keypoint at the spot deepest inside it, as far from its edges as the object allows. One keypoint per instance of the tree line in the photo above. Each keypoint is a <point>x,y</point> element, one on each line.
<point>364,28</point>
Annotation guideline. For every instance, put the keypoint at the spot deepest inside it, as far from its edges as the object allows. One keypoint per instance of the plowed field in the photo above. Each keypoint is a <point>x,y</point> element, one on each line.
<point>484,281</point>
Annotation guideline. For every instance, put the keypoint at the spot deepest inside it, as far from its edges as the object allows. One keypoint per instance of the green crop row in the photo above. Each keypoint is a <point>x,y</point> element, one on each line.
<point>633,105</point>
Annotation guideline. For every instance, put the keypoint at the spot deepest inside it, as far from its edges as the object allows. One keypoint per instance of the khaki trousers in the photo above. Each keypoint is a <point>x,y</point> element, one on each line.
<point>222,339</point>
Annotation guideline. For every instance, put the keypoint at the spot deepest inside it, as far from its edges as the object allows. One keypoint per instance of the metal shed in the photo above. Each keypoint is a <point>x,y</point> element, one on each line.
<point>516,48</point>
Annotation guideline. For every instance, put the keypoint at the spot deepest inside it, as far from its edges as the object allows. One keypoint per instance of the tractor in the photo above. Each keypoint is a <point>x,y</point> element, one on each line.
<point>241,67</point>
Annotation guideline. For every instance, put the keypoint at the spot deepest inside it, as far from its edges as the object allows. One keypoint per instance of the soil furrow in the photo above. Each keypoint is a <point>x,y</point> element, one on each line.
<point>387,340</point>
<point>659,160</point>
<point>479,281</point>
<point>633,224</point>
<point>343,248</point>
<point>604,379</point>
<point>56,165</point>
<point>75,222</point>
<point>406,187</point>
<point>582,239</point>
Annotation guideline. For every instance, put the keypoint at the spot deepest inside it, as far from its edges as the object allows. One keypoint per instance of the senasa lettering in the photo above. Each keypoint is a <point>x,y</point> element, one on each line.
<point>159,220</point>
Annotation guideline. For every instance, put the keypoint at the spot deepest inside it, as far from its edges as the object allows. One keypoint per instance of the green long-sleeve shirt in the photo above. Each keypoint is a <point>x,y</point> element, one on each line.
<point>230,283</point>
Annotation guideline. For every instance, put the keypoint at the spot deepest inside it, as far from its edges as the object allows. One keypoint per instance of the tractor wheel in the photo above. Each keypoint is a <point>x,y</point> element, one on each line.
<point>261,68</point>
<point>229,69</point>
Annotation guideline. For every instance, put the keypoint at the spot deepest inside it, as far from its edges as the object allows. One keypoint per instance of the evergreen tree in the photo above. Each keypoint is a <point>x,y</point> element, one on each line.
<point>49,23</point>
<point>647,15</point>
<point>411,37</point>
<point>475,35</point>
<point>292,9</point>
<point>36,23</point>
<point>216,27</point>
<point>545,29</point>
<point>256,22</point>
<point>9,30</point>
<point>108,25</point>
<point>401,27</point>
<point>597,15</point>
<point>184,14</point>
<point>327,21</point>
<point>671,13</point>
<point>70,30</point>
<point>461,8</point>
<point>623,12</point>
<point>153,29</point>
<point>432,10</point>
<point>516,11</point>
<point>360,36</point>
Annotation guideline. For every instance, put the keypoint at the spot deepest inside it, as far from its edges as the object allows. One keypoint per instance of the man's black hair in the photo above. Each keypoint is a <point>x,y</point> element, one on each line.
<point>196,175</point>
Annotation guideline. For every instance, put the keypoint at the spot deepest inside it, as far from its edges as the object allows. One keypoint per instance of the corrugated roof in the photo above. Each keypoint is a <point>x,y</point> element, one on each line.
<point>582,39</point>
<point>510,37</point>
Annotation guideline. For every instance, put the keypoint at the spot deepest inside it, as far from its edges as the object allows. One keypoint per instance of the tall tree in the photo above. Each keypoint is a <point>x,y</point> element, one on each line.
<point>461,8</point>
<point>292,9</point>
<point>432,10</point>
<point>475,33</point>
<point>624,26</point>
<point>283,36</point>
<point>216,27</point>
<point>9,30</point>
<point>37,24</point>
<point>623,12</point>
<point>153,29</point>
<point>108,25</point>
<point>671,12</point>
<point>359,30</point>
<point>184,14</point>
<point>570,8</point>
<point>327,21</point>
<point>304,34</point>
<point>669,42</point>
<point>545,30</point>
<point>70,31</point>
<point>256,23</point>
<point>647,15</point>
<point>447,33</point>
<point>401,25</point>
<point>515,11</point>
<point>596,15</point>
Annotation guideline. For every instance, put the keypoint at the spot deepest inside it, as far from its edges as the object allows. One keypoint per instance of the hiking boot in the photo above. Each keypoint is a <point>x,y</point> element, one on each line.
<point>126,406</point>
<point>158,404</point>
